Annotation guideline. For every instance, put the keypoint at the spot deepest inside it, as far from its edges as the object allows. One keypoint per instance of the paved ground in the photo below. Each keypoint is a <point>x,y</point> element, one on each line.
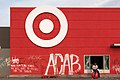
<point>105,77</point>
<point>61,78</point>
<point>116,78</point>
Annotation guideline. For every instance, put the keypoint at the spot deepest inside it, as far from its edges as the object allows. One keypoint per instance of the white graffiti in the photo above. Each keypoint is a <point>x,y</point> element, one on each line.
<point>33,57</point>
<point>5,63</point>
<point>25,68</point>
<point>116,68</point>
<point>7,60</point>
<point>67,61</point>
<point>15,60</point>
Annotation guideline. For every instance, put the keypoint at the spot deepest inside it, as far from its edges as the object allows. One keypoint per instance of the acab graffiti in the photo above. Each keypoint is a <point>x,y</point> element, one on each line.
<point>69,60</point>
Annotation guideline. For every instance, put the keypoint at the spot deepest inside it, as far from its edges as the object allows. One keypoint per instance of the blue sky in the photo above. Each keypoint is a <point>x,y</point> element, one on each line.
<point>6,4</point>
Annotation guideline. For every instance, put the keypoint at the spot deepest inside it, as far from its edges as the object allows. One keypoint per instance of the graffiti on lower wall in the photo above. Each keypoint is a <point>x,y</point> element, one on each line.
<point>4,62</point>
<point>69,60</point>
<point>52,64</point>
<point>116,66</point>
<point>22,65</point>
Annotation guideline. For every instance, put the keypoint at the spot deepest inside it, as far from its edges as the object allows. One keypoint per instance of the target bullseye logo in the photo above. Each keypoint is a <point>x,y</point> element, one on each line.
<point>46,26</point>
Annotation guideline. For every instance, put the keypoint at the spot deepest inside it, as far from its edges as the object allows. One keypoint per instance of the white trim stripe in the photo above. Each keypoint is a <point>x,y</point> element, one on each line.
<point>116,44</point>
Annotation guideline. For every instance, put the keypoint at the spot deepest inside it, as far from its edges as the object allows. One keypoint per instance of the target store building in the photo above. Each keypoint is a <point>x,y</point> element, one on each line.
<point>64,41</point>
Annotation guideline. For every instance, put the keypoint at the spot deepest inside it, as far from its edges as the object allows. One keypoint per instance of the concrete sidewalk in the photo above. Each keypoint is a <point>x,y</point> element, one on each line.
<point>65,77</point>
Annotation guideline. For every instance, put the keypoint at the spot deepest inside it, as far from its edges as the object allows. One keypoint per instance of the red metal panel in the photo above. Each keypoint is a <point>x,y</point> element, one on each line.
<point>87,33</point>
<point>91,31</point>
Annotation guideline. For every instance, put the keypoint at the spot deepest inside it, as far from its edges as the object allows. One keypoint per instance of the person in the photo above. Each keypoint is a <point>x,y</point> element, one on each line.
<point>95,70</point>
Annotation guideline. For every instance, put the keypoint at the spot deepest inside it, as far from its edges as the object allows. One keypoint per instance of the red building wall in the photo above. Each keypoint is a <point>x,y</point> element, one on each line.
<point>91,31</point>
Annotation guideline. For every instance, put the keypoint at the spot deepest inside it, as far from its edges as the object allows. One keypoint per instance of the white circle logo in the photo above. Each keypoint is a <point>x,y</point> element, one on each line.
<point>46,26</point>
